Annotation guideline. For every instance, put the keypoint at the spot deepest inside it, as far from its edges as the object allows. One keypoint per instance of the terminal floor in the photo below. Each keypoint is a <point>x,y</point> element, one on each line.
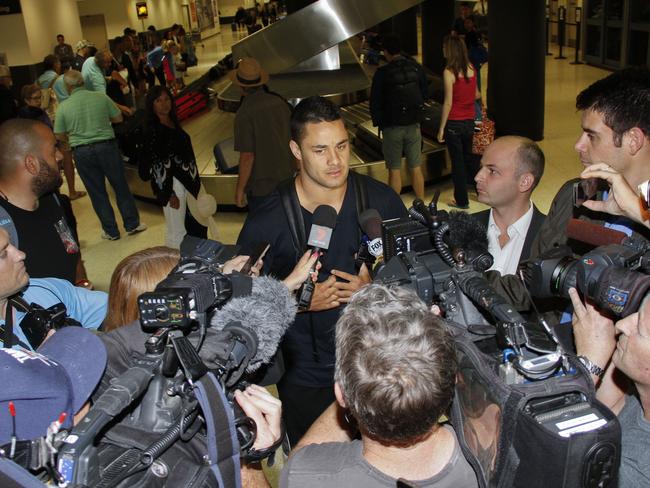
<point>562,128</point>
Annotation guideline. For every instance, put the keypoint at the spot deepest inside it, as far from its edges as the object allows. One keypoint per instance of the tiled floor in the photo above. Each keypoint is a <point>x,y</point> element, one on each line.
<point>562,127</point>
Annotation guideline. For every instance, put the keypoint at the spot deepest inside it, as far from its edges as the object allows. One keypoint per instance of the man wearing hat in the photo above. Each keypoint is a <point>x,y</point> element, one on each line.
<point>262,135</point>
<point>83,49</point>
<point>8,104</point>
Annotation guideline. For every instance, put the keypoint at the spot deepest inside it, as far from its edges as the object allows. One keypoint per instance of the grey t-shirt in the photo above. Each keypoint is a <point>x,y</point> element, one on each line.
<point>340,464</point>
<point>635,455</point>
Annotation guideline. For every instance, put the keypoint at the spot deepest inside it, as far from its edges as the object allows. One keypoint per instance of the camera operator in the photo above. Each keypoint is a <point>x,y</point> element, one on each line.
<point>620,367</point>
<point>622,198</point>
<point>615,131</point>
<point>255,401</point>
<point>85,306</point>
<point>395,374</point>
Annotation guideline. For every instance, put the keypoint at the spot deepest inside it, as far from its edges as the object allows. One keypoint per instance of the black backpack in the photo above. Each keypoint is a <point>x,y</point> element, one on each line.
<point>402,93</point>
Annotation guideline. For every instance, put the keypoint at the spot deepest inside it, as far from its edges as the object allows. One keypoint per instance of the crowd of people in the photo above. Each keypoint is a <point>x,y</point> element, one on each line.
<point>365,373</point>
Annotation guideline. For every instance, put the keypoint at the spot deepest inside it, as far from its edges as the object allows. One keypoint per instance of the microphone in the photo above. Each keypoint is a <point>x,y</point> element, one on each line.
<point>371,248</point>
<point>594,234</point>
<point>468,235</point>
<point>266,313</point>
<point>323,224</point>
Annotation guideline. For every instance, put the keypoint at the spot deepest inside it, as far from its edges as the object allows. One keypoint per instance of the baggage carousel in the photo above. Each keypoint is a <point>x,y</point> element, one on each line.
<point>325,64</point>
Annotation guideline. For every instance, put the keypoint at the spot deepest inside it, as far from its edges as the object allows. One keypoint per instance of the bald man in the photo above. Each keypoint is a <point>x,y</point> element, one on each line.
<point>511,168</point>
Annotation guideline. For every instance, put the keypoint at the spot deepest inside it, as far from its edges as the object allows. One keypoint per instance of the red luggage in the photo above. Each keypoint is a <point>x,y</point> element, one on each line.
<point>190,102</point>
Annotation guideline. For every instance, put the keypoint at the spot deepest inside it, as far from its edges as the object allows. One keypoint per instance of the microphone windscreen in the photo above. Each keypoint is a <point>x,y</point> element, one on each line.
<point>325,216</point>
<point>268,312</point>
<point>370,222</point>
<point>593,234</point>
<point>467,233</point>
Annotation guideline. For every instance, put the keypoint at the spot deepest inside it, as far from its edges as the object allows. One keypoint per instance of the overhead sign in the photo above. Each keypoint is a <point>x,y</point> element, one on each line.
<point>141,8</point>
<point>8,7</point>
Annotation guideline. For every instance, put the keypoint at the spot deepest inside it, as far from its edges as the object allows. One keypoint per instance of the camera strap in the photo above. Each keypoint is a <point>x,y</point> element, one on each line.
<point>9,339</point>
<point>223,446</point>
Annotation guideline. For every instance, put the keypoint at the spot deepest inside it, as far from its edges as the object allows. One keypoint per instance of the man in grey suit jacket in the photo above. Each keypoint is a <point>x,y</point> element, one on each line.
<point>511,168</point>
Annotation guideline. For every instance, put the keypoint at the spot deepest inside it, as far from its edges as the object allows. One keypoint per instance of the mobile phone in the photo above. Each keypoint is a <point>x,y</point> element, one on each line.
<point>589,189</point>
<point>256,255</point>
<point>644,192</point>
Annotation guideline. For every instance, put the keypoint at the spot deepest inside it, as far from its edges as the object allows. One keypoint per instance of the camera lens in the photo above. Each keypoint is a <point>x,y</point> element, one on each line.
<point>564,276</point>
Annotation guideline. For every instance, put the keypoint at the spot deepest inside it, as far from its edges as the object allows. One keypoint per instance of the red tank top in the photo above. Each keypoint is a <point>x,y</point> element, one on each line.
<point>462,102</point>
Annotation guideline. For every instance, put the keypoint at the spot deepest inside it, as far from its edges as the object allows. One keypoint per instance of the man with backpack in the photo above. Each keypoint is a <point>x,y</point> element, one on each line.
<point>398,91</point>
<point>321,144</point>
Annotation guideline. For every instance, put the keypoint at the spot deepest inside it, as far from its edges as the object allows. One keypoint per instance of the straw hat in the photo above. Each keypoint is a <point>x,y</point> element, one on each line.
<point>249,73</point>
<point>203,209</point>
<point>84,43</point>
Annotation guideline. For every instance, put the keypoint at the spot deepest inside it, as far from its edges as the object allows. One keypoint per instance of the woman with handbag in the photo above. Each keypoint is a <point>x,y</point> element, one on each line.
<point>457,117</point>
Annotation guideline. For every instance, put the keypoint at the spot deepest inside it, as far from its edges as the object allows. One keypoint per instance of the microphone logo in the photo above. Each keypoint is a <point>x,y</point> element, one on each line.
<point>376,247</point>
<point>319,236</point>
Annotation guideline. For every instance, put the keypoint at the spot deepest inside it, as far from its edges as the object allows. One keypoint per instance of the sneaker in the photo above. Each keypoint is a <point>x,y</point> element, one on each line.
<point>109,237</point>
<point>139,228</point>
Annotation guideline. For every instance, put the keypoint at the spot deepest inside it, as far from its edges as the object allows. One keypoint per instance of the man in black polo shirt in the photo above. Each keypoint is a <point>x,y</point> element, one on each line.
<point>30,208</point>
<point>320,142</point>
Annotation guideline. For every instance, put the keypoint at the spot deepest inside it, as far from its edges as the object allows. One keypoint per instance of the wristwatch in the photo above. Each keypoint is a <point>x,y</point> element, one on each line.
<point>591,367</point>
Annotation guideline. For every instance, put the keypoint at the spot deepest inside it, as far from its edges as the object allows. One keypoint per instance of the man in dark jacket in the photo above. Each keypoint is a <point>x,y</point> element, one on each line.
<point>615,131</point>
<point>511,168</point>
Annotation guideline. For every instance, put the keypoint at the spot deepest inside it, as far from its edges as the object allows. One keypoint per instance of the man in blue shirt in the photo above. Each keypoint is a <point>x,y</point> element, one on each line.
<point>85,306</point>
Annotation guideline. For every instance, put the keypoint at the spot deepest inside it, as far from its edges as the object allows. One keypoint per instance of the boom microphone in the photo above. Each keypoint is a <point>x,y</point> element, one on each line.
<point>267,312</point>
<point>323,224</point>
<point>593,234</point>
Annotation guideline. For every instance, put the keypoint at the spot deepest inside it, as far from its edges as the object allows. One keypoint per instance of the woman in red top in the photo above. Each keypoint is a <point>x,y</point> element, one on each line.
<point>457,119</point>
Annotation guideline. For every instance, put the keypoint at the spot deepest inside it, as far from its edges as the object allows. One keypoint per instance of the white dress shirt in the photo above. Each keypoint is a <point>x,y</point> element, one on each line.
<point>506,258</point>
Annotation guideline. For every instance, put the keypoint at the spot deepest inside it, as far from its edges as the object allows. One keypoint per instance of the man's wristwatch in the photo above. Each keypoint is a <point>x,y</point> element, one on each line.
<point>591,367</point>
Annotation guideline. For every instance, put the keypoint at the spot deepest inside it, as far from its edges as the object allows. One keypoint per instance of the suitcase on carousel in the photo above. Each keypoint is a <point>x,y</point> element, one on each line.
<point>190,102</point>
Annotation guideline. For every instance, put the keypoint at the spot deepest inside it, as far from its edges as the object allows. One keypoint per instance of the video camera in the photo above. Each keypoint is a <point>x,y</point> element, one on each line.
<point>443,257</point>
<point>615,277</point>
<point>525,409</point>
<point>168,394</point>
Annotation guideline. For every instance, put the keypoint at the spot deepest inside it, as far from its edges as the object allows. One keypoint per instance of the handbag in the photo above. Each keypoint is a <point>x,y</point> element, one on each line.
<point>484,137</point>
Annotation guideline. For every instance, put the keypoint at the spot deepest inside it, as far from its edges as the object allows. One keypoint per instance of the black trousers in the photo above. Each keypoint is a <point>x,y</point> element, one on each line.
<point>458,135</point>
<point>301,405</point>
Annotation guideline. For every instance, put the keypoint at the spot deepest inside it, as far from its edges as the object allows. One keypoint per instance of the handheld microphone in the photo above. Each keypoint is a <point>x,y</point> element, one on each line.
<point>320,234</point>
<point>371,248</point>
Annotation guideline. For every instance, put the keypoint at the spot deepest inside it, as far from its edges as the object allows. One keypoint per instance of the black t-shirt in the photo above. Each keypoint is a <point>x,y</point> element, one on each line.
<point>47,238</point>
<point>308,346</point>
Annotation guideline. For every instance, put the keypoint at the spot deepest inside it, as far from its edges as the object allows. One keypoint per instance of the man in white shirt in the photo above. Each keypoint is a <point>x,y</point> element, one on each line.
<point>511,168</point>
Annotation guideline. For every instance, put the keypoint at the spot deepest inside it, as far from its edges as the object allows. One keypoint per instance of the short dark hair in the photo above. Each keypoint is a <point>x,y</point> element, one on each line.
<point>312,110</point>
<point>49,61</point>
<point>392,44</point>
<point>530,159</point>
<point>395,364</point>
<point>623,100</point>
<point>60,35</point>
